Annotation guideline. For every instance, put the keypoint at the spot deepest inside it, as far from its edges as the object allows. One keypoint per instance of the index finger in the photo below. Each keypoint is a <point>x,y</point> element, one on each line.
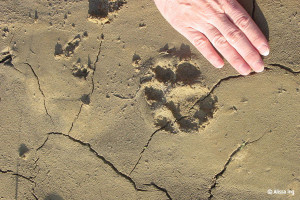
<point>239,16</point>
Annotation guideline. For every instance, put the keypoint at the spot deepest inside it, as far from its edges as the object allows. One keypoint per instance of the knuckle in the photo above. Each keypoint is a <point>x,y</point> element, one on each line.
<point>235,60</point>
<point>257,40</point>
<point>230,2</point>
<point>200,41</point>
<point>235,36</point>
<point>243,22</point>
<point>252,56</point>
<point>219,41</point>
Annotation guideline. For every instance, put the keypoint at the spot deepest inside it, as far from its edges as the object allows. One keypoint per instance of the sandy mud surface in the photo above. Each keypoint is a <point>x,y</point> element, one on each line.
<point>104,100</point>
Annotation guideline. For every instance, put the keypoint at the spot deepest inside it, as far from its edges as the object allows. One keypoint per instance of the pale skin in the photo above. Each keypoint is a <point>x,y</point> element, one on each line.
<point>218,26</point>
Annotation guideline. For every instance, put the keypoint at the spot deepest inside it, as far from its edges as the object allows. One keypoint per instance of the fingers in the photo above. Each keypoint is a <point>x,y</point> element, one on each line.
<point>204,46</point>
<point>229,53</point>
<point>238,15</point>
<point>240,42</point>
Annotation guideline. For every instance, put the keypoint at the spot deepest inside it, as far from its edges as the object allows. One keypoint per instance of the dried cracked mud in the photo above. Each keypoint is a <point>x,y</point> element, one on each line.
<point>104,100</point>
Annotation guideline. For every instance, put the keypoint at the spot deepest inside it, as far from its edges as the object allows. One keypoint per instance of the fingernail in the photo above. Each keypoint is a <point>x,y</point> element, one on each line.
<point>244,70</point>
<point>220,66</point>
<point>259,66</point>
<point>264,50</point>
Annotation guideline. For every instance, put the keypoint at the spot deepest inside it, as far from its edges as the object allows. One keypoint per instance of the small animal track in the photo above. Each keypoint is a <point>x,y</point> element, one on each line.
<point>5,32</point>
<point>23,150</point>
<point>104,10</point>
<point>136,60</point>
<point>68,49</point>
<point>80,70</point>
<point>85,99</point>
<point>173,85</point>
<point>142,25</point>
<point>72,45</point>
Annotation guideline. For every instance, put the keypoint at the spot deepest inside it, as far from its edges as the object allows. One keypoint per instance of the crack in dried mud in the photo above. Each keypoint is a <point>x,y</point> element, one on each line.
<point>17,174</point>
<point>93,85</point>
<point>160,188</point>
<point>35,197</point>
<point>285,68</point>
<point>42,146</point>
<point>242,76</point>
<point>39,84</point>
<point>75,119</point>
<point>97,59</point>
<point>217,85</point>
<point>30,179</point>
<point>127,177</point>
<point>146,145</point>
<point>121,96</point>
<point>130,96</point>
<point>216,177</point>
<point>100,157</point>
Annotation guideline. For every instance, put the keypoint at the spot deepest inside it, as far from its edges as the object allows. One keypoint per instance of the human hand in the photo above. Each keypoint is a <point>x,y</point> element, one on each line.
<point>221,25</point>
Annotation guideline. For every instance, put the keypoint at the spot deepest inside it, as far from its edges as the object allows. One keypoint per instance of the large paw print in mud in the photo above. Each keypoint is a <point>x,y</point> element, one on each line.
<point>174,90</point>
